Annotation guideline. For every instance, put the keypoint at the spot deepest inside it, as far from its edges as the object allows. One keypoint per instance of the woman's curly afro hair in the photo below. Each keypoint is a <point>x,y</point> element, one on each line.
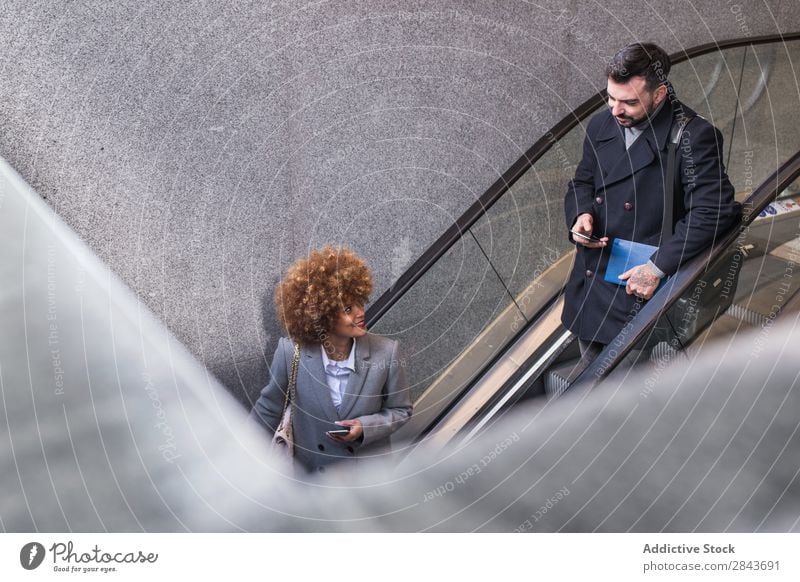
<point>317,288</point>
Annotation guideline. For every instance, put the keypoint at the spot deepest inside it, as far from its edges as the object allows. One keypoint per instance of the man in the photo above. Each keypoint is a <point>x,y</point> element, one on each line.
<point>618,192</point>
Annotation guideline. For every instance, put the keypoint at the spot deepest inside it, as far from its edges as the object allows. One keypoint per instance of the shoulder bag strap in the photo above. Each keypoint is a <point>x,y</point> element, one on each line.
<point>291,389</point>
<point>293,376</point>
<point>672,184</point>
<point>672,179</point>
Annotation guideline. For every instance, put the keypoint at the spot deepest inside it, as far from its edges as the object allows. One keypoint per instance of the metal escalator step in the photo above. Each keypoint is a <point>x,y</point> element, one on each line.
<point>663,352</point>
<point>747,315</point>
<point>723,327</point>
<point>555,385</point>
<point>560,377</point>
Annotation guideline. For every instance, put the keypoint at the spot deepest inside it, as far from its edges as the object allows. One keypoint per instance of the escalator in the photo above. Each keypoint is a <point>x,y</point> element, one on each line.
<point>513,240</point>
<point>767,290</point>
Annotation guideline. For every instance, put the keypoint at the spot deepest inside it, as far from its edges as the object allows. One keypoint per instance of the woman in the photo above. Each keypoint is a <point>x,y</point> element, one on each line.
<point>346,377</point>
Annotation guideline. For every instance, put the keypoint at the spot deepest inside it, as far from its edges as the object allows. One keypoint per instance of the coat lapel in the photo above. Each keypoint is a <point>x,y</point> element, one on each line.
<point>312,365</point>
<point>357,378</point>
<point>622,163</point>
<point>610,147</point>
<point>658,132</point>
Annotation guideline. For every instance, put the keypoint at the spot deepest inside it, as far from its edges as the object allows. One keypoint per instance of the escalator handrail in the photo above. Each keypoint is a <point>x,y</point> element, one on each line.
<point>481,206</point>
<point>687,275</point>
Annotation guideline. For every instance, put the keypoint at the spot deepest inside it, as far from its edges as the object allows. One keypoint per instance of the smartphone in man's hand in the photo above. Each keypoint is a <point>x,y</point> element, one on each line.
<point>585,237</point>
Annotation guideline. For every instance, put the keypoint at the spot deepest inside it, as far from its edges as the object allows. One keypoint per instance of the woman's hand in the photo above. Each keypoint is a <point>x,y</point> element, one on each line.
<point>356,430</point>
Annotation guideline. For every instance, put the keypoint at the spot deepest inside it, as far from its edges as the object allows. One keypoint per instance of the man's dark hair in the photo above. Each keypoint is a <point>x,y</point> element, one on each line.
<point>641,59</point>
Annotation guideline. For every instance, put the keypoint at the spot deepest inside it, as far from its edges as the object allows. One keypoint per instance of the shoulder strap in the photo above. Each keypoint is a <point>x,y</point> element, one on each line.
<point>292,387</point>
<point>293,377</point>
<point>672,179</point>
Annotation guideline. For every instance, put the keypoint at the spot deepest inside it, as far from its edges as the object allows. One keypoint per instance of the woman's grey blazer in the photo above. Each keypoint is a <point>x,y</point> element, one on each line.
<point>377,394</point>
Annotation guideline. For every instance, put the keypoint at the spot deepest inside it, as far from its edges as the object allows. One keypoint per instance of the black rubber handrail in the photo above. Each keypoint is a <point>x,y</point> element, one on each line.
<point>429,258</point>
<point>679,283</point>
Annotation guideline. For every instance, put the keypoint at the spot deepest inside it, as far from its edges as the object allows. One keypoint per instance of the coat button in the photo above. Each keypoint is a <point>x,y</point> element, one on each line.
<point>599,200</point>
<point>321,469</point>
<point>321,447</point>
<point>351,450</point>
<point>628,206</point>
<point>589,273</point>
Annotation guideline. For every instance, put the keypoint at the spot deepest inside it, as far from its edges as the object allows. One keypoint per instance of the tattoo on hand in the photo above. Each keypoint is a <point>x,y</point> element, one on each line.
<point>643,277</point>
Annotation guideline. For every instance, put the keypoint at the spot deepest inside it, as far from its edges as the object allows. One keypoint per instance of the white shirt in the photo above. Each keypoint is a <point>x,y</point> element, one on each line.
<point>337,373</point>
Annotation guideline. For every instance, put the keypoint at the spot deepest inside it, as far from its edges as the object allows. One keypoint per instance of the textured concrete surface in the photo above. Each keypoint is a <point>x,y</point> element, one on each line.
<point>200,147</point>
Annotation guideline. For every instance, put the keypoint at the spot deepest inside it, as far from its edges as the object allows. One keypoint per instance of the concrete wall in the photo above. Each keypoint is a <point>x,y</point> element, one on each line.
<point>200,147</point>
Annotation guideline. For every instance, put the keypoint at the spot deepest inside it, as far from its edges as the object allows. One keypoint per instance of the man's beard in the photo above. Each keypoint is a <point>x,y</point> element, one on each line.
<point>627,121</point>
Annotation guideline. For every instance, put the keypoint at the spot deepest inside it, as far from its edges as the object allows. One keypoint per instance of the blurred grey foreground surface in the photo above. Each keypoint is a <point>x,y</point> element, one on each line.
<point>108,424</point>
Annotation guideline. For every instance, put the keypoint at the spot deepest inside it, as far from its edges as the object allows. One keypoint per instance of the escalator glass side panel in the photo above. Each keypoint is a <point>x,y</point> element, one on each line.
<point>770,275</point>
<point>709,84</point>
<point>444,312</point>
<point>700,302</point>
<point>524,230</point>
<point>767,132</point>
<point>540,342</point>
<point>470,365</point>
<point>524,233</point>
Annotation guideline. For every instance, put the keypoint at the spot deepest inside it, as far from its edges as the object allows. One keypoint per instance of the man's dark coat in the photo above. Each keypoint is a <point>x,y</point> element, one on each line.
<point>624,191</point>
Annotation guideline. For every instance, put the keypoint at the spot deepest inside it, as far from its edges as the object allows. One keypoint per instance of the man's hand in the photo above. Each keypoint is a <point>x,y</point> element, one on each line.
<point>642,281</point>
<point>584,225</point>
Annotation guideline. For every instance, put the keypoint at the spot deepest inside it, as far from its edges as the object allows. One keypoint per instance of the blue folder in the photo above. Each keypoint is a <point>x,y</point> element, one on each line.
<point>626,254</point>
